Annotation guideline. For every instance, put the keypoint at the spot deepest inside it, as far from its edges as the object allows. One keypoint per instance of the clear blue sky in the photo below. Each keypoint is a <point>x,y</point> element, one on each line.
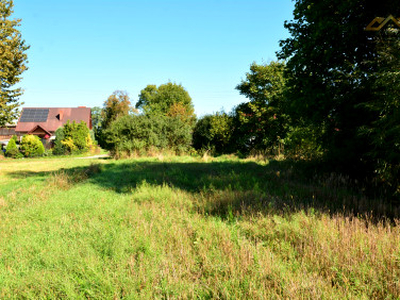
<point>83,50</point>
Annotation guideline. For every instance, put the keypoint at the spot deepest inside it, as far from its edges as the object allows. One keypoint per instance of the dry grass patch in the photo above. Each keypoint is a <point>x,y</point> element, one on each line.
<point>2,202</point>
<point>346,253</point>
<point>65,179</point>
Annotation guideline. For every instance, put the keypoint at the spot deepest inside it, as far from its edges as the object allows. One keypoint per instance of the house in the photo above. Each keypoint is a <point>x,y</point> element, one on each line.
<point>7,131</point>
<point>6,134</point>
<point>44,121</point>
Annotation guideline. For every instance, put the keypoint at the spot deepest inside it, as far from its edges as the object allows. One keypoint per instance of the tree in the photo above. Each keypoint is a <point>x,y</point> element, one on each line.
<point>328,77</point>
<point>213,133</point>
<point>168,99</point>
<point>117,105</point>
<point>13,61</point>
<point>72,138</point>
<point>80,136</point>
<point>261,123</point>
<point>384,131</point>
<point>12,149</point>
<point>59,147</point>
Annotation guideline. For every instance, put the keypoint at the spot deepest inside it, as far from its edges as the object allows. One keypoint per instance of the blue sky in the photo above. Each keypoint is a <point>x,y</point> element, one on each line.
<point>83,50</point>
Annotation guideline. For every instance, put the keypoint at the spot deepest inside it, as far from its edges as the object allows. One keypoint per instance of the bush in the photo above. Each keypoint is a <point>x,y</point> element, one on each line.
<point>12,149</point>
<point>31,146</point>
<point>303,143</point>
<point>72,138</point>
<point>137,134</point>
<point>59,148</point>
<point>178,134</point>
<point>213,133</point>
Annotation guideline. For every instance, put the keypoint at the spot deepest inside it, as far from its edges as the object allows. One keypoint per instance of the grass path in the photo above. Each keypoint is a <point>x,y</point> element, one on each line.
<point>185,228</point>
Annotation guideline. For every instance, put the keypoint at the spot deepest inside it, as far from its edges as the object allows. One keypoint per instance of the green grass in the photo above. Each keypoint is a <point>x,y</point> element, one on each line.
<point>184,227</point>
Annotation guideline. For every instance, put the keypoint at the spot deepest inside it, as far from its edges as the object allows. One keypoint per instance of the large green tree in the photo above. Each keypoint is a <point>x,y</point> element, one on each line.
<point>261,123</point>
<point>168,99</point>
<point>328,74</point>
<point>384,131</point>
<point>13,61</point>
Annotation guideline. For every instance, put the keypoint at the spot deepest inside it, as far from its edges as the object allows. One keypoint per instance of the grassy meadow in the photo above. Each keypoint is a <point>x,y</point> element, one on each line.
<point>185,227</point>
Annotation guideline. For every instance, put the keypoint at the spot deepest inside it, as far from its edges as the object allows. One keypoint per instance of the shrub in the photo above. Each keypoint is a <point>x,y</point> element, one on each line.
<point>213,133</point>
<point>137,134</point>
<point>178,134</point>
<point>12,149</point>
<point>72,138</point>
<point>303,143</point>
<point>31,146</point>
<point>81,137</point>
<point>69,145</point>
<point>59,148</point>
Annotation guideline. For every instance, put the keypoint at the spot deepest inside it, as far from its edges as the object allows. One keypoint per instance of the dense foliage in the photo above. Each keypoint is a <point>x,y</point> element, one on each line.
<point>13,60</point>
<point>72,138</point>
<point>330,83</point>
<point>169,99</point>
<point>213,133</point>
<point>31,146</point>
<point>165,122</point>
<point>261,125</point>
<point>134,134</point>
<point>117,105</point>
<point>384,131</point>
<point>343,82</point>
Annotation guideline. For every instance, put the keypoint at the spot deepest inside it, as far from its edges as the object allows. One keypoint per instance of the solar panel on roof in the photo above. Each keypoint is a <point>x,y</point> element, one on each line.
<point>34,115</point>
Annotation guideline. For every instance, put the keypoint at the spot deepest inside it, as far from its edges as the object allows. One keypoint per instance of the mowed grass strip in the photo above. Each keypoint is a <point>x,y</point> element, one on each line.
<point>184,228</point>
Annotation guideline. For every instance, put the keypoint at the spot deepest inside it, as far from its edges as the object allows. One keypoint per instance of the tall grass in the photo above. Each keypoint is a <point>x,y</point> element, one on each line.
<point>188,227</point>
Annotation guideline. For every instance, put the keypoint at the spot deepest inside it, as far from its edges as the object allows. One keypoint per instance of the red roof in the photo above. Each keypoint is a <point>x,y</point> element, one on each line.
<point>39,127</point>
<point>57,117</point>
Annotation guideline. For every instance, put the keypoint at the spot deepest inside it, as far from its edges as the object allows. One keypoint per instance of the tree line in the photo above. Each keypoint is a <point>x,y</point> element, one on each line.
<point>332,96</point>
<point>163,118</point>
